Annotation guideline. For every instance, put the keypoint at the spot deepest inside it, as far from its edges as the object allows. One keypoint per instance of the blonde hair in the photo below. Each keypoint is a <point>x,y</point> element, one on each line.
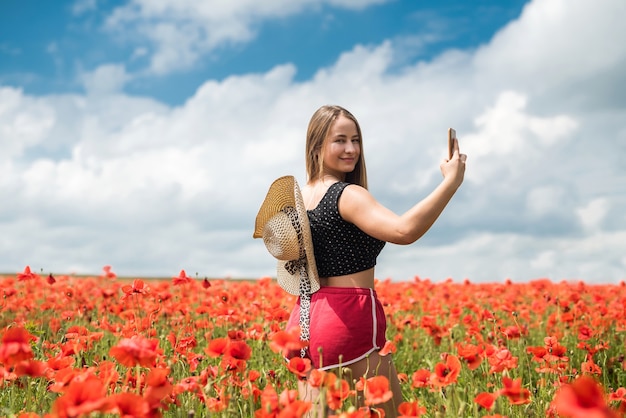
<point>316,135</point>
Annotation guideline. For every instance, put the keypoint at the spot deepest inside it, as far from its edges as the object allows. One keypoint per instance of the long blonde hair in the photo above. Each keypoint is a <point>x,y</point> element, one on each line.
<point>318,129</point>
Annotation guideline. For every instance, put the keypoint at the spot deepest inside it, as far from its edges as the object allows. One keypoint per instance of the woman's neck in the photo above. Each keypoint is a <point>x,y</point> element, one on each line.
<point>331,178</point>
<point>325,180</point>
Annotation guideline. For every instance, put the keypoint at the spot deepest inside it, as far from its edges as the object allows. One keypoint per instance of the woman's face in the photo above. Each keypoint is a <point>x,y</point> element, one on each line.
<point>342,148</point>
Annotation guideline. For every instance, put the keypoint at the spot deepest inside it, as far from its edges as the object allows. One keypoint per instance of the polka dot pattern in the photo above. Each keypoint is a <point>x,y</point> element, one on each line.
<point>340,247</point>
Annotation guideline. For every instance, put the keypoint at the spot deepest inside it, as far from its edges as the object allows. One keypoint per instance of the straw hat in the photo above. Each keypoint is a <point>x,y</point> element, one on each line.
<point>283,224</point>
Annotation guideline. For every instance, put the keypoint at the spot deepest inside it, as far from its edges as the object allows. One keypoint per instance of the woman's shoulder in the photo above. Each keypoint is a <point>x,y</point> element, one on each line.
<point>353,188</point>
<point>355,194</point>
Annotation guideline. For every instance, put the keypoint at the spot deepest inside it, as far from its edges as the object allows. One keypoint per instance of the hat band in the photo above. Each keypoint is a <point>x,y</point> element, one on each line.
<point>294,266</point>
<point>305,285</point>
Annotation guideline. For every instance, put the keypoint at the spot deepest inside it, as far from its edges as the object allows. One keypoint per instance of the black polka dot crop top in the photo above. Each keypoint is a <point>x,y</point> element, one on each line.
<point>340,247</point>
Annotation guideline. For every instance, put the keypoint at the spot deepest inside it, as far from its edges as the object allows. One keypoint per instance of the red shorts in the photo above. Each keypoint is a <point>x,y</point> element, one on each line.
<point>347,324</point>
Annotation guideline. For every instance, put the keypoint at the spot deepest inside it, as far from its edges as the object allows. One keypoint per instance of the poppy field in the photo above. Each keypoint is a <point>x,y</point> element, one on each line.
<point>106,346</point>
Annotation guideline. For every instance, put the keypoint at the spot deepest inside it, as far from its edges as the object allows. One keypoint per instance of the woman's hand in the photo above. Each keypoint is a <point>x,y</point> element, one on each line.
<point>453,170</point>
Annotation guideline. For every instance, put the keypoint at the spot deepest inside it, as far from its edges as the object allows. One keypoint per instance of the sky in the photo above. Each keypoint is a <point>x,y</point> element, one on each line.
<point>144,134</point>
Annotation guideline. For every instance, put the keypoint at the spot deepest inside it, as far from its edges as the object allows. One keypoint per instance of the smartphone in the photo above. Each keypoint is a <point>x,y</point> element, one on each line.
<point>451,138</point>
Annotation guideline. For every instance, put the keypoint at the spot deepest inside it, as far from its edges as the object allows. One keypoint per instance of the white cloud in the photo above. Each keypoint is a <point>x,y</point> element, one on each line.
<point>107,178</point>
<point>592,214</point>
<point>24,121</point>
<point>105,79</point>
<point>355,4</point>
<point>507,137</point>
<point>52,48</point>
<point>183,30</point>
<point>83,6</point>
<point>545,200</point>
<point>544,45</point>
<point>139,53</point>
<point>544,261</point>
<point>488,257</point>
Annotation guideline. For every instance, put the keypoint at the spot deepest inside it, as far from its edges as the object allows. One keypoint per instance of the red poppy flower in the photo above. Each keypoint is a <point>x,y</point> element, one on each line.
<point>129,405</point>
<point>299,366</point>
<point>486,399</point>
<point>8,292</point>
<point>583,398</point>
<point>317,378</point>
<point>590,367</point>
<point>194,360</point>
<point>107,372</point>
<point>446,373</point>
<point>337,390</point>
<point>232,364</point>
<point>32,368</point>
<point>238,350</point>
<point>81,398</point>
<point>514,391</point>
<point>585,333</point>
<point>295,409</point>
<point>136,350</point>
<point>253,375</point>
<point>158,386</point>
<point>389,348</point>
<point>182,278</point>
<point>15,346</point>
<point>269,403</point>
<point>216,405</point>
<point>410,409</point>
<point>60,362</point>
<point>501,360</point>
<point>185,344</point>
<point>277,314</point>
<point>618,395</point>
<point>429,323</point>
<point>471,353</point>
<point>217,347</point>
<point>26,275</point>
<point>108,273</point>
<point>188,384</point>
<point>285,341</point>
<point>62,378</point>
<point>420,378</point>
<point>537,352</point>
<point>236,334</point>
<point>205,283</point>
<point>138,287</point>
<point>376,390</point>
<point>555,351</point>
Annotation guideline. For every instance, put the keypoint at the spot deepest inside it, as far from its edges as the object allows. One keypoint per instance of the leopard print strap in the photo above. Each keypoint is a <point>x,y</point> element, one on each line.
<point>305,285</point>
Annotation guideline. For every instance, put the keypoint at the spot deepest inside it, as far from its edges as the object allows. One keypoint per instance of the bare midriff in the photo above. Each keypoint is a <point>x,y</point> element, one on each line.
<point>361,279</point>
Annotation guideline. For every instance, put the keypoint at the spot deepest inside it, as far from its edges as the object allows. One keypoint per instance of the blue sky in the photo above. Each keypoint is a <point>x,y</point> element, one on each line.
<point>45,46</point>
<point>144,134</point>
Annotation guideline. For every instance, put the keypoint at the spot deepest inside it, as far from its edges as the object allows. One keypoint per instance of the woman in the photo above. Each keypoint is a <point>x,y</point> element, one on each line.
<point>349,229</point>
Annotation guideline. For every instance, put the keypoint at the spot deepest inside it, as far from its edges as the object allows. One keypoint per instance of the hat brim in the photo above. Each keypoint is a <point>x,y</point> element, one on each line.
<point>285,192</point>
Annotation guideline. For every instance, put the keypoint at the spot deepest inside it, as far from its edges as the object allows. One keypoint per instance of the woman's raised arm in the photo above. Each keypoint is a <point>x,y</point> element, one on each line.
<point>359,207</point>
